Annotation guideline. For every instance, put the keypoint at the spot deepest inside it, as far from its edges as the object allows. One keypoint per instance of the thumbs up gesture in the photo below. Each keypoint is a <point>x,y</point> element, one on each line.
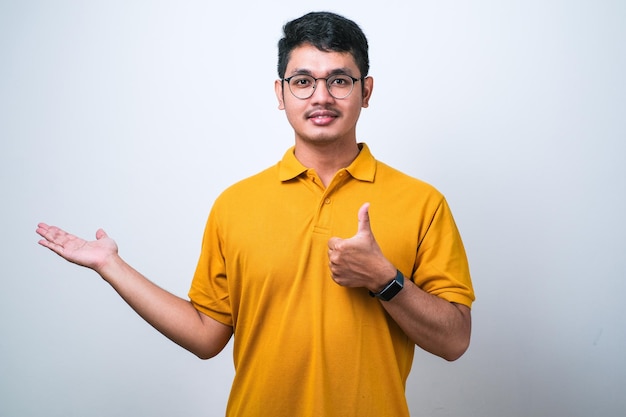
<point>359,261</point>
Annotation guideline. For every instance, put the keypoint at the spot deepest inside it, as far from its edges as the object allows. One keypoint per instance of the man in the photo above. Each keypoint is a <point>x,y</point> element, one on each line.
<point>325,307</point>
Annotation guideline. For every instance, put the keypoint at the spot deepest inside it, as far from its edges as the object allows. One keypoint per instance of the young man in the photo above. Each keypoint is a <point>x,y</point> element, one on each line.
<point>325,306</point>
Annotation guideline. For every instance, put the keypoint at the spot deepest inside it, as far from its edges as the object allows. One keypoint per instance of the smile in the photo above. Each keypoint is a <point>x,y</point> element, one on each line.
<point>322,117</point>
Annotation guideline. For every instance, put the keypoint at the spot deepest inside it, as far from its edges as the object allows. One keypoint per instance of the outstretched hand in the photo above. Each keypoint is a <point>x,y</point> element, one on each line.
<point>359,261</point>
<point>91,254</point>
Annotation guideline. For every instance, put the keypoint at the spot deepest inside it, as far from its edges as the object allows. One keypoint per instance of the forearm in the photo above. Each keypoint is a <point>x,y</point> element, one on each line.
<point>434,324</point>
<point>174,317</point>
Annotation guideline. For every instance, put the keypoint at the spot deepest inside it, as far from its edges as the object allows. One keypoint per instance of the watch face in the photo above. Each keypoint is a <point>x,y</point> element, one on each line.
<point>391,290</point>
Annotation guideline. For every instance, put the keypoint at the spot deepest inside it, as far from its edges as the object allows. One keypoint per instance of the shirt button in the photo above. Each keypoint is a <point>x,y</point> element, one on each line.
<point>327,201</point>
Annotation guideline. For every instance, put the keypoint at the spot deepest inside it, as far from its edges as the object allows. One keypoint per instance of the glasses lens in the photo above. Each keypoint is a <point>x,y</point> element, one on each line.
<point>302,86</point>
<point>340,86</point>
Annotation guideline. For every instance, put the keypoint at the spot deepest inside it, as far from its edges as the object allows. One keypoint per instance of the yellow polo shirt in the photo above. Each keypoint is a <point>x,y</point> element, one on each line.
<point>303,345</point>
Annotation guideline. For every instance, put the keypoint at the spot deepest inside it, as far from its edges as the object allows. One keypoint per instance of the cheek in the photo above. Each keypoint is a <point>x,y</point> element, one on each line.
<point>354,109</point>
<point>293,107</point>
<point>294,114</point>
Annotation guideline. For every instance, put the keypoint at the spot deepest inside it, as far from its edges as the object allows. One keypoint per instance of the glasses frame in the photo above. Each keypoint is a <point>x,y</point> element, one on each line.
<point>326,79</point>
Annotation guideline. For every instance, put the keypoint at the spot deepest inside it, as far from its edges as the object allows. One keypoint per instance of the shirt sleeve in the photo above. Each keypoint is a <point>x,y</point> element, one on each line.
<point>441,266</point>
<point>209,291</point>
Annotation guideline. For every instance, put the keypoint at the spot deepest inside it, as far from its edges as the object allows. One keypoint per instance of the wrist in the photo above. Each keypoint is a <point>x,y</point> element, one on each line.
<point>110,267</point>
<point>391,288</point>
<point>383,278</point>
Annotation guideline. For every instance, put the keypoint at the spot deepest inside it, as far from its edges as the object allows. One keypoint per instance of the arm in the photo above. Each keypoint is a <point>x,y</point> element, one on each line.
<point>174,317</point>
<point>434,324</point>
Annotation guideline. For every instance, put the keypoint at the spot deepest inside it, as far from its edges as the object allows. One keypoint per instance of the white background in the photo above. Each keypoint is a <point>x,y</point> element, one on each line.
<point>134,115</point>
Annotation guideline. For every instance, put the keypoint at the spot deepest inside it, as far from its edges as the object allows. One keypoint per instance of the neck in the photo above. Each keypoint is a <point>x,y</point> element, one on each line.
<point>326,159</point>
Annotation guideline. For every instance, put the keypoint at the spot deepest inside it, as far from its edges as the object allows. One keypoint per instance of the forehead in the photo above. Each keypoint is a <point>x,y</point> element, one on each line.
<point>307,58</point>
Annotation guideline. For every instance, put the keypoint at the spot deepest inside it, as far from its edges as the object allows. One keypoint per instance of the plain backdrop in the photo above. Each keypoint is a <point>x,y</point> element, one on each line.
<point>135,115</point>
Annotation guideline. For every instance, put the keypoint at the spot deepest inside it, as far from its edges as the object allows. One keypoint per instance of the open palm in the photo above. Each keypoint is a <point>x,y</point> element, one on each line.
<point>91,254</point>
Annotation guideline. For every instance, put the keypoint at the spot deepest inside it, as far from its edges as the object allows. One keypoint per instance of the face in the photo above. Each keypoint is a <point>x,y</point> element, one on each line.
<point>322,118</point>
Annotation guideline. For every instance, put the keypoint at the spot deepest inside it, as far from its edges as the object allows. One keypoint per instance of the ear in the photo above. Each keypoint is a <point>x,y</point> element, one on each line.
<point>280,94</point>
<point>368,86</point>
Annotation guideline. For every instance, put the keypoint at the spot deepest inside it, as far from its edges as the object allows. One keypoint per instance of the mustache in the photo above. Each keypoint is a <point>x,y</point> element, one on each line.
<point>322,111</point>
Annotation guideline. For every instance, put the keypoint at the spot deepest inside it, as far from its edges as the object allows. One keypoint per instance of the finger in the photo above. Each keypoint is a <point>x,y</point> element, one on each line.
<point>333,257</point>
<point>101,234</point>
<point>364,219</point>
<point>51,244</point>
<point>50,233</point>
<point>42,229</point>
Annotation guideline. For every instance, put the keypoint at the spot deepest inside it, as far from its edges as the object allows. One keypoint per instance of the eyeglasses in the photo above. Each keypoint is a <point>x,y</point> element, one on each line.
<point>303,86</point>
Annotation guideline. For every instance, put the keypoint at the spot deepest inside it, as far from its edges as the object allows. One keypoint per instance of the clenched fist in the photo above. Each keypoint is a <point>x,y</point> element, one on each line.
<point>358,261</point>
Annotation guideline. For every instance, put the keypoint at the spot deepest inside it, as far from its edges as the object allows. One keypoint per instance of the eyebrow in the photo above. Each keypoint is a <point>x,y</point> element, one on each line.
<point>336,71</point>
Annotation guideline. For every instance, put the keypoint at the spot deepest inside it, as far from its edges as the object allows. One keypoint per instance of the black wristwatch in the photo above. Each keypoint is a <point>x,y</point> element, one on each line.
<point>390,289</point>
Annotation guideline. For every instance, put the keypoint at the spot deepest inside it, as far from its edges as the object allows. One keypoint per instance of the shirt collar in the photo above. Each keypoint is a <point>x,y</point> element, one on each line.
<point>363,167</point>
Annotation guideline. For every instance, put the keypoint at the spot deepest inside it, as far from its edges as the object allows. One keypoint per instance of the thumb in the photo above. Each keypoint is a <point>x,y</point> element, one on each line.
<point>101,234</point>
<point>364,219</point>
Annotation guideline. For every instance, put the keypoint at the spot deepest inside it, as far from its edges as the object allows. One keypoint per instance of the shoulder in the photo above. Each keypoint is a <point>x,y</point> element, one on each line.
<point>250,188</point>
<point>396,181</point>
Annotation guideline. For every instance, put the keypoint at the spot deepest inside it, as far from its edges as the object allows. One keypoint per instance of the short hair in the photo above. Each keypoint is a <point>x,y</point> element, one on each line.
<point>327,32</point>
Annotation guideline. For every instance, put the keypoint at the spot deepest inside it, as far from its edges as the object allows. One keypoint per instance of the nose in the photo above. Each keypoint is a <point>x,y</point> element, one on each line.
<point>321,93</point>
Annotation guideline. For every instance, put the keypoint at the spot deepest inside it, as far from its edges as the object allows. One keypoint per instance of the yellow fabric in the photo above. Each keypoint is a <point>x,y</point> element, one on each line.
<point>303,345</point>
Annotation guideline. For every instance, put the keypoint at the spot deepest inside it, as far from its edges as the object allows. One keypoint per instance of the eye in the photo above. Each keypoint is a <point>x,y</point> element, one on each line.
<point>340,81</point>
<point>301,81</point>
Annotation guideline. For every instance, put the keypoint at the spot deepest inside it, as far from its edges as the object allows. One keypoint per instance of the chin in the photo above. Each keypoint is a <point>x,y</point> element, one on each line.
<point>319,139</point>
<point>321,136</point>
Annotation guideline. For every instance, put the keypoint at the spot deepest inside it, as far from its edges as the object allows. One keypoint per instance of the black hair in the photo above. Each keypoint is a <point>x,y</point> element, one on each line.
<point>327,32</point>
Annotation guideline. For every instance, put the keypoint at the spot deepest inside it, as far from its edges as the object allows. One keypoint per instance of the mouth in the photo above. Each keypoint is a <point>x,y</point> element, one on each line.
<point>322,117</point>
